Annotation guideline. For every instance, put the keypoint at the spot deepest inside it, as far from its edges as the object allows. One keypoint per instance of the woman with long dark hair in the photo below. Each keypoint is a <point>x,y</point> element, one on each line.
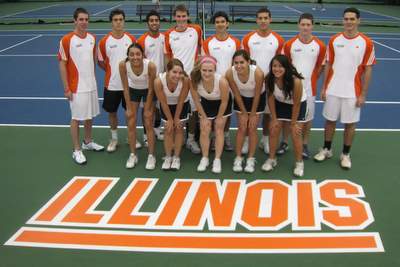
<point>246,82</point>
<point>287,101</point>
<point>137,76</point>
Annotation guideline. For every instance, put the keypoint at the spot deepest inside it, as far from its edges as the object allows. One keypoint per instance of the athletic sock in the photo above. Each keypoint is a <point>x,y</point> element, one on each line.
<point>328,145</point>
<point>114,134</point>
<point>346,149</point>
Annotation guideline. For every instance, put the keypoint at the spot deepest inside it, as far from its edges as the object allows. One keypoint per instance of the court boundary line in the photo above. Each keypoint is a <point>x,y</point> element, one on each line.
<point>379,14</point>
<point>387,46</point>
<point>20,43</point>
<point>232,30</point>
<point>141,127</point>
<point>101,99</point>
<point>95,14</point>
<point>293,9</point>
<point>30,10</point>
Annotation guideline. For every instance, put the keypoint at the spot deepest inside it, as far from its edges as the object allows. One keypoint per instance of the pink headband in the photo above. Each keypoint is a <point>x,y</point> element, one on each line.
<point>208,59</point>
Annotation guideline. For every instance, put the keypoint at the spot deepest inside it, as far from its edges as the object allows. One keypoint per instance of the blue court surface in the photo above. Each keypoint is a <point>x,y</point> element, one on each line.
<point>286,11</point>
<point>31,91</point>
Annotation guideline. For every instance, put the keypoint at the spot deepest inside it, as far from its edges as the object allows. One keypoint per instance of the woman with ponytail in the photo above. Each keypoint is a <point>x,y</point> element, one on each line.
<point>246,81</point>
<point>172,90</point>
<point>137,76</point>
<point>287,101</point>
<point>210,92</point>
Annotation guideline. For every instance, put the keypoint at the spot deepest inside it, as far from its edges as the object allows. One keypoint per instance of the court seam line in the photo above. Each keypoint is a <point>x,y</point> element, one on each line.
<point>141,127</point>
<point>30,10</point>
<point>143,31</point>
<point>379,14</point>
<point>20,43</point>
<point>53,55</point>
<point>233,30</point>
<point>293,9</point>
<point>95,14</point>
<point>101,99</point>
<point>389,47</point>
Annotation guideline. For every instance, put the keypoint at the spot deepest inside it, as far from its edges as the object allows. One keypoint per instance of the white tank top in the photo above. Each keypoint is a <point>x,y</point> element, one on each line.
<point>215,94</point>
<point>247,89</point>
<point>138,81</point>
<point>172,97</point>
<point>280,96</point>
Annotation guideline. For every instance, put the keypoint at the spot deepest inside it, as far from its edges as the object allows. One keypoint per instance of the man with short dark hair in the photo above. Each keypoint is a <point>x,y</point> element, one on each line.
<point>183,42</point>
<point>222,46</point>
<point>350,58</point>
<point>263,44</point>
<point>307,54</point>
<point>77,65</point>
<point>153,42</point>
<point>112,49</point>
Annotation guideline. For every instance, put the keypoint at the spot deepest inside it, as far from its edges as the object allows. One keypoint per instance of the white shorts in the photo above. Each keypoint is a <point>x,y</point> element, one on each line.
<point>310,108</point>
<point>84,106</point>
<point>343,108</point>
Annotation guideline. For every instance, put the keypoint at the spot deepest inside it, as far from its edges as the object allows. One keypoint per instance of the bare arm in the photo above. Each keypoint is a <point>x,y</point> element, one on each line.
<point>182,98</point>
<point>158,90</point>
<point>63,73</point>
<point>196,99</point>
<point>150,95</point>
<point>235,91</point>
<point>297,94</point>
<point>101,64</point>
<point>125,85</point>
<point>364,90</point>
<point>224,90</point>
<point>325,84</point>
<point>259,77</point>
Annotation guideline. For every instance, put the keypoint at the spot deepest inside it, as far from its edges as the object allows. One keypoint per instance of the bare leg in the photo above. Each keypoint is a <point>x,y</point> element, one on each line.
<point>274,139</point>
<point>74,128</point>
<point>205,130</point>
<point>253,139</point>
<point>88,130</point>
<point>297,144</point>
<point>178,141</point>
<point>240,134</point>
<point>349,131</point>
<point>219,137</point>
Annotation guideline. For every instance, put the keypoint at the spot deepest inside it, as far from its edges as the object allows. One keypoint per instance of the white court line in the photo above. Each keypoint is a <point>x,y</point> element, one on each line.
<point>26,11</point>
<point>391,48</point>
<point>100,98</point>
<point>387,59</point>
<point>163,30</point>
<point>20,43</point>
<point>95,14</point>
<point>293,9</point>
<point>379,14</point>
<point>141,127</point>
<point>29,55</point>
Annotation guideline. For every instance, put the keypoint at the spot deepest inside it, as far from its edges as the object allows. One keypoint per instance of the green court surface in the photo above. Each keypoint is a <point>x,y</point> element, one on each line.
<point>36,163</point>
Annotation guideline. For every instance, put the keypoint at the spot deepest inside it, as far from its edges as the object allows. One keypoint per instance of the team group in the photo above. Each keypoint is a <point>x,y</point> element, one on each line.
<point>186,82</point>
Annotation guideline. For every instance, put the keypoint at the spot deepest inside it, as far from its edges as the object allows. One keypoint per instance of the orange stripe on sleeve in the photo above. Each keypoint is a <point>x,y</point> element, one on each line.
<point>281,41</point>
<point>167,47</point>
<point>141,41</point>
<point>318,65</point>
<point>245,41</point>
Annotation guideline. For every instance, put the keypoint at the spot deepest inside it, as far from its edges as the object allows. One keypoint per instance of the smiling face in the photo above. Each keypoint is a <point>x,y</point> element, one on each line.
<point>153,24</point>
<point>277,69</point>
<point>263,21</point>
<point>207,71</point>
<point>240,64</point>
<point>221,25</point>
<point>181,18</point>
<point>81,22</point>
<point>350,22</point>
<point>118,23</point>
<point>175,74</point>
<point>135,56</point>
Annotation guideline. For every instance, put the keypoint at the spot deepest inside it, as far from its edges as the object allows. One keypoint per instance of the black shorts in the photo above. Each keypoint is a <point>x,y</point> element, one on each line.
<point>211,107</point>
<point>139,95</point>
<point>112,99</point>
<point>284,111</point>
<point>248,103</point>
<point>172,108</point>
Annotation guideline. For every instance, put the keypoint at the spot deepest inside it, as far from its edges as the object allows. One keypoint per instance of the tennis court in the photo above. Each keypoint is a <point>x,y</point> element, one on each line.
<point>36,160</point>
